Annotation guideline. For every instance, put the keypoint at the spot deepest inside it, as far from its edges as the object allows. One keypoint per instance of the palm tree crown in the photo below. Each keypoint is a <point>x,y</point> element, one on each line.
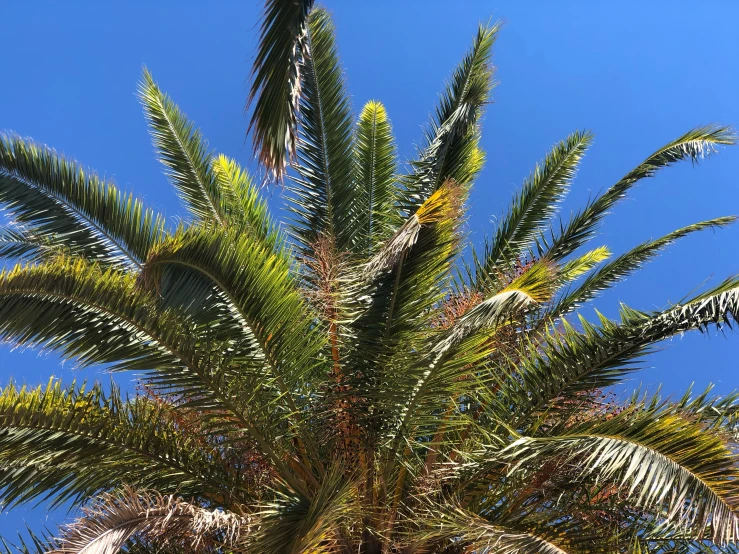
<point>359,379</point>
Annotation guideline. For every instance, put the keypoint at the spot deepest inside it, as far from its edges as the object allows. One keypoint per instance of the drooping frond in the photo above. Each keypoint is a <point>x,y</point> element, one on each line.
<point>440,206</point>
<point>269,316</point>
<point>323,194</point>
<point>259,288</point>
<point>663,463</point>
<point>693,145</point>
<point>72,207</point>
<point>448,526</point>
<point>184,152</point>
<point>69,443</point>
<point>533,206</point>
<point>276,85</point>
<point>376,167</point>
<point>115,518</point>
<point>627,263</point>
<point>68,304</point>
<point>533,287</point>
<point>451,150</point>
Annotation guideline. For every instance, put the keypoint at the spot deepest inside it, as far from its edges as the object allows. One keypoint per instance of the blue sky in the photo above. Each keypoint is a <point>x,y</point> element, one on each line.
<point>637,74</point>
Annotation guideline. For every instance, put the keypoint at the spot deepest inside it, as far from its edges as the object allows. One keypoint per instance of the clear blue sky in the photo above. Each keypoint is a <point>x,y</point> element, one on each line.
<point>637,74</point>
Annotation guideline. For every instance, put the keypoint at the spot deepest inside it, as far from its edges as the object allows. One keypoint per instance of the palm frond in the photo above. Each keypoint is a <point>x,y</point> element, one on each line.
<point>271,323</point>
<point>114,519</point>
<point>693,145</point>
<point>448,526</point>
<point>68,305</point>
<point>70,443</point>
<point>569,362</point>
<point>323,194</point>
<point>533,206</point>
<point>663,463</point>
<point>534,286</point>
<point>31,543</point>
<point>615,271</point>
<point>183,151</point>
<point>260,290</point>
<point>276,84</point>
<point>451,150</point>
<point>249,210</point>
<point>376,157</point>
<point>72,207</point>
<point>582,264</point>
<point>19,243</point>
<point>297,523</point>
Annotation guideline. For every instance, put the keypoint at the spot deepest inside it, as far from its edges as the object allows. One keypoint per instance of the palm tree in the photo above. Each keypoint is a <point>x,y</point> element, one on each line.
<point>360,379</point>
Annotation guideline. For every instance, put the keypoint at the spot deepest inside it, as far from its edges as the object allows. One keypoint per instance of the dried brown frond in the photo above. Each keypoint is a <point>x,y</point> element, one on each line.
<point>114,519</point>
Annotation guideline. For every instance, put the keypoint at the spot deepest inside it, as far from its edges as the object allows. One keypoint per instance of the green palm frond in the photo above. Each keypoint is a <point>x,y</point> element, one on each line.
<point>693,145</point>
<point>259,288</point>
<point>582,264</point>
<point>323,193</point>
<point>569,362</point>
<point>31,543</point>
<point>72,207</point>
<point>248,211</point>
<point>615,271</point>
<point>354,382</point>
<point>69,443</point>
<point>184,152</point>
<point>276,86</point>
<point>448,526</point>
<point>297,523</point>
<point>19,243</point>
<point>68,304</point>
<point>451,147</point>
<point>533,206</point>
<point>376,168</point>
<point>275,328</point>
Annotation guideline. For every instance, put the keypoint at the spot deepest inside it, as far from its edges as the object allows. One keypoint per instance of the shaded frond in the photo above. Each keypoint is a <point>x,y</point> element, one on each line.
<point>296,523</point>
<point>259,288</point>
<point>70,443</point>
<point>449,526</point>
<point>276,84</point>
<point>19,243</point>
